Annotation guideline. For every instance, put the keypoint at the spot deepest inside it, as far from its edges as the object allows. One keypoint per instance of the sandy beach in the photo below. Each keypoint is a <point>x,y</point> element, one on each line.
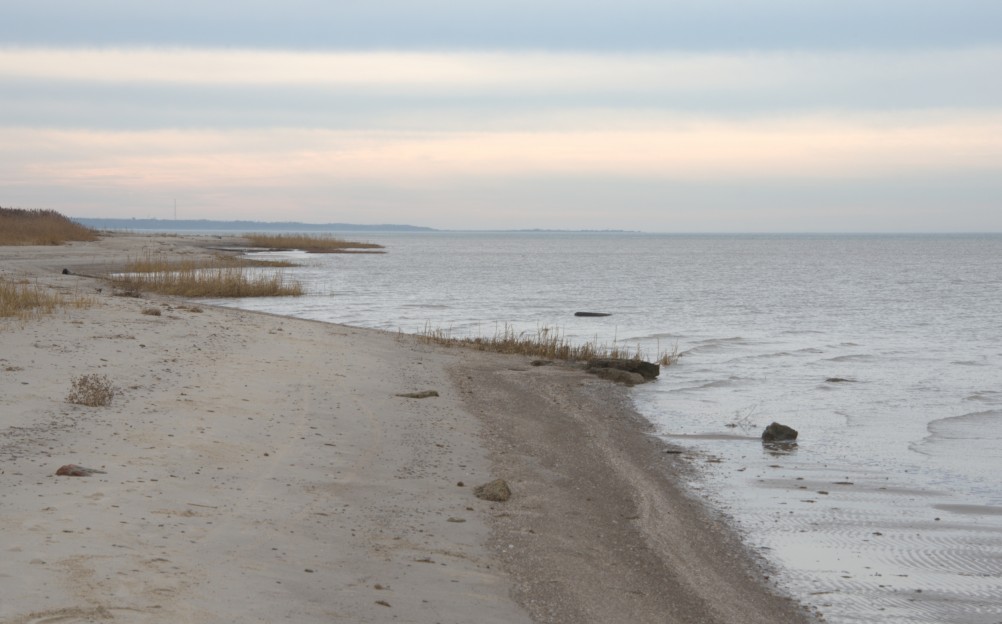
<point>258,468</point>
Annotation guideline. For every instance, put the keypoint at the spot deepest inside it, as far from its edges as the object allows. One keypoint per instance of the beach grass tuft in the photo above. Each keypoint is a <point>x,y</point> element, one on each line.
<point>23,299</point>
<point>313,243</point>
<point>202,278</point>
<point>40,227</point>
<point>544,342</point>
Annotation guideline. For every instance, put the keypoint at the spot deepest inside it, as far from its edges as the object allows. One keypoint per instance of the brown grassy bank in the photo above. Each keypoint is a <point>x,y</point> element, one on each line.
<point>40,227</point>
<point>220,276</point>
<point>546,342</point>
<point>312,243</point>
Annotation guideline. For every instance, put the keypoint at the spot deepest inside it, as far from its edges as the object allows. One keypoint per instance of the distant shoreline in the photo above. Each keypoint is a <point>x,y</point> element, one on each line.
<point>240,226</point>
<point>196,226</point>
<point>209,225</point>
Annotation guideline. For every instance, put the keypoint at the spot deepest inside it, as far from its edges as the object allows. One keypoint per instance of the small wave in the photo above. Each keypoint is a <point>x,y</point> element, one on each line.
<point>427,306</point>
<point>668,336</point>
<point>976,434</point>
<point>975,425</point>
<point>718,383</point>
<point>851,358</point>
<point>800,332</point>
<point>968,363</point>
<point>718,341</point>
<point>985,396</point>
<point>760,356</point>
<point>972,510</point>
<point>808,351</point>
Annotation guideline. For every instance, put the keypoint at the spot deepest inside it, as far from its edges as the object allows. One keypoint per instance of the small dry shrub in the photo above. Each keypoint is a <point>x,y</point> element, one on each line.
<point>92,390</point>
<point>152,311</point>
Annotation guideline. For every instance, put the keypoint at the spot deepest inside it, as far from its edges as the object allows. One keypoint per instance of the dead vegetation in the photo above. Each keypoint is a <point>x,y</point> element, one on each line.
<point>23,299</point>
<point>312,243</point>
<point>92,390</point>
<point>545,342</point>
<point>153,262</point>
<point>218,276</point>
<point>40,227</point>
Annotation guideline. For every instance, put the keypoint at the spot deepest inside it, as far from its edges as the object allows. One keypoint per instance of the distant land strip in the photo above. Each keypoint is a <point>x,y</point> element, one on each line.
<point>240,226</point>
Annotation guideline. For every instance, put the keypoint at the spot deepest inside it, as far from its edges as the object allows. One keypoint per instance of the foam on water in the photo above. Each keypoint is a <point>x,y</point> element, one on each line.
<point>885,352</point>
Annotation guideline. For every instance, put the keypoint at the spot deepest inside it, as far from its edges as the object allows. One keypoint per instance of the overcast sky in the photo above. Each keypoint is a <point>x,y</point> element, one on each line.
<point>678,116</point>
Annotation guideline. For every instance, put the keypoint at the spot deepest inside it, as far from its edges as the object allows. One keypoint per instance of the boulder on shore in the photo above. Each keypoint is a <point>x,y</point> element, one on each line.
<point>648,370</point>
<point>619,376</point>
<point>779,433</point>
<point>497,491</point>
<point>72,470</point>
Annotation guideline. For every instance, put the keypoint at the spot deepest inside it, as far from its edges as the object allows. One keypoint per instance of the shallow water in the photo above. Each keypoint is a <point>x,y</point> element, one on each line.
<point>890,507</point>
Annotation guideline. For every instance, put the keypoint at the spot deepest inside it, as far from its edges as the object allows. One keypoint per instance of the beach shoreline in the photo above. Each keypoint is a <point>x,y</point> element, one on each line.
<point>263,468</point>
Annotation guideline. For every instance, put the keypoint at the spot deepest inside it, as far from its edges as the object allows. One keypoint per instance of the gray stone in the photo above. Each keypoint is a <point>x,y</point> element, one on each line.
<point>648,370</point>
<point>779,433</point>
<point>497,491</point>
<point>619,376</point>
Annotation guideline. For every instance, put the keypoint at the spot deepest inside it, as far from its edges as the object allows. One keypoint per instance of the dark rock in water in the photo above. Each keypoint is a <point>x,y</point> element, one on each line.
<point>424,394</point>
<point>497,491</point>
<point>619,376</point>
<point>648,370</point>
<point>779,433</point>
<point>66,272</point>
<point>592,314</point>
<point>839,380</point>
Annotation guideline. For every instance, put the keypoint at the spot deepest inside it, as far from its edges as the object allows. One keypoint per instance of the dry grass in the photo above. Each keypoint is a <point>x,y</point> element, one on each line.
<point>40,227</point>
<point>22,299</point>
<point>545,342</point>
<point>220,276</point>
<point>313,243</point>
<point>92,390</point>
<point>154,262</point>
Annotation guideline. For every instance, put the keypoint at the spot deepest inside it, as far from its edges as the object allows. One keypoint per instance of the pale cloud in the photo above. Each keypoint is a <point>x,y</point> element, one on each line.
<point>524,73</point>
<point>451,138</point>
<point>686,148</point>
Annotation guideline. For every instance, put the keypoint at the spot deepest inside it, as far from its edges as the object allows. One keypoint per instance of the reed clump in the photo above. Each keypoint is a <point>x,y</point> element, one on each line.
<point>545,342</point>
<point>152,262</point>
<point>40,227</point>
<point>312,243</point>
<point>201,278</point>
<point>23,299</point>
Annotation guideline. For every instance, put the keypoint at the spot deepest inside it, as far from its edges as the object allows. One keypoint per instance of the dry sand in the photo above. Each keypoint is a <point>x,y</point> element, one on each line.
<point>263,469</point>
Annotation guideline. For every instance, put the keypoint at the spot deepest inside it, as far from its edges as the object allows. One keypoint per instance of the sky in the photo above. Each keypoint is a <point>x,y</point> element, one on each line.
<point>662,116</point>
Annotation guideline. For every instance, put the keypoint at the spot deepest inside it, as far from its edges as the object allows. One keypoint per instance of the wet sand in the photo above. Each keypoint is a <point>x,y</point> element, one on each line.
<point>261,468</point>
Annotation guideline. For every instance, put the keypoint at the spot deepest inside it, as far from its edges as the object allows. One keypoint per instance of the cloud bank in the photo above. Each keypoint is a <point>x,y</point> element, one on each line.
<point>762,116</point>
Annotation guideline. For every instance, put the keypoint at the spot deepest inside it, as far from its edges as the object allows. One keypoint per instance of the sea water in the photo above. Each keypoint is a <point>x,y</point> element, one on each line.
<point>883,351</point>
